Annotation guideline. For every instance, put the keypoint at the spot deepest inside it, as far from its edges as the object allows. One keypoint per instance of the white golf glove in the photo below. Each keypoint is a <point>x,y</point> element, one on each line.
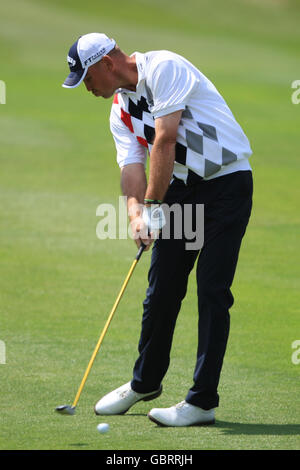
<point>154,218</point>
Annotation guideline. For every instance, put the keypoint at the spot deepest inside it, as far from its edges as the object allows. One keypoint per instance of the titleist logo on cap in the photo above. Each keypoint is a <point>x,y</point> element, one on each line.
<point>95,56</point>
<point>71,61</point>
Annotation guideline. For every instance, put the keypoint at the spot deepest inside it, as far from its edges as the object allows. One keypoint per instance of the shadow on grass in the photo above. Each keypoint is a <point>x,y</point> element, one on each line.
<point>79,444</point>
<point>258,429</point>
<point>234,429</point>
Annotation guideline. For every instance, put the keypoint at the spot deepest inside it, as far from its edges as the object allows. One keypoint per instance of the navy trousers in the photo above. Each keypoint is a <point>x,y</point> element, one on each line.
<point>227,206</point>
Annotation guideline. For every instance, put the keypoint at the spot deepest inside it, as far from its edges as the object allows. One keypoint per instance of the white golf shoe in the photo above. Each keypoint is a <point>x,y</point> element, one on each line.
<point>120,400</point>
<point>182,414</point>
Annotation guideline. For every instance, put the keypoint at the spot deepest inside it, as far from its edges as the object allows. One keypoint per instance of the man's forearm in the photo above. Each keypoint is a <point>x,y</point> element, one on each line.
<point>161,169</point>
<point>133,184</point>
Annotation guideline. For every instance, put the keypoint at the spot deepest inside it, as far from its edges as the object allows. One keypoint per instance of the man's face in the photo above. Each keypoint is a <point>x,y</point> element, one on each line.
<point>100,80</point>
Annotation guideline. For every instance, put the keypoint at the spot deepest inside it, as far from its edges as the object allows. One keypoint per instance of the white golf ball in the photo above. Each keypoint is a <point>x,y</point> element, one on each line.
<point>103,427</point>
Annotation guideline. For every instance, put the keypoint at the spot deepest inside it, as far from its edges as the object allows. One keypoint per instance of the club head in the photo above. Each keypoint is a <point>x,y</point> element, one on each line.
<point>65,410</point>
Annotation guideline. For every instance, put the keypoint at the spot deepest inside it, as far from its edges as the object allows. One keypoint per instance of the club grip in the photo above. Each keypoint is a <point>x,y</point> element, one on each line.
<point>140,252</point>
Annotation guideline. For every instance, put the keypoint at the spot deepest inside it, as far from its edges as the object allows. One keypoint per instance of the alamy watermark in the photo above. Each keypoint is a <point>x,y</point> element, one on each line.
<point>2,92</point>
<point>296,94</point>
<point>296,354</point>
<point>182,222</point>
<point>2,352</point>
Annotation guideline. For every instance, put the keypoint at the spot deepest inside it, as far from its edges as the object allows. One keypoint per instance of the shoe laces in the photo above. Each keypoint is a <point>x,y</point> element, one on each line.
<point>124,393</point>
<point>180,405</point>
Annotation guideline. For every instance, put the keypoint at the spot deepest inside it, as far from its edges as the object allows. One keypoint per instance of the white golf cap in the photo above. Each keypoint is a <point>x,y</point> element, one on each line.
<point>86,51</point>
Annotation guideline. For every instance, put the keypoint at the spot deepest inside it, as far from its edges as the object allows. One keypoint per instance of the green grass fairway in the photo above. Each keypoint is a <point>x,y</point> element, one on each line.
<point>59,281</point>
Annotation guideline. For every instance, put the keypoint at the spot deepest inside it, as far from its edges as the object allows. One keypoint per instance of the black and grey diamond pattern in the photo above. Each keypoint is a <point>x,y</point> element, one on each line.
<point>207,145</point>
<point>198,151</point>
<point>136,110</point>
<point>208,131</point>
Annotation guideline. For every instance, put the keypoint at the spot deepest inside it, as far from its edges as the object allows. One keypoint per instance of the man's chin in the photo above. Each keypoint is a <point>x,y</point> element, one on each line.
<point>106,95</point>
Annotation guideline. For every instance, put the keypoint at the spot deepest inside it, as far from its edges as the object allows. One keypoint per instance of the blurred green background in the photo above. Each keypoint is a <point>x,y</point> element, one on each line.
<point>59,282</point>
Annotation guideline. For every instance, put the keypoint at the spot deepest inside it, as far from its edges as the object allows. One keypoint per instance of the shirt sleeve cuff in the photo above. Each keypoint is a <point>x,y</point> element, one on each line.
<point>129,161</point>
<point>168,110</point>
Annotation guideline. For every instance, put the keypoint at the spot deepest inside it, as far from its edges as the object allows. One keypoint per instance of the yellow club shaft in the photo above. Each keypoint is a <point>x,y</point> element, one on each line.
<point>106,327</point>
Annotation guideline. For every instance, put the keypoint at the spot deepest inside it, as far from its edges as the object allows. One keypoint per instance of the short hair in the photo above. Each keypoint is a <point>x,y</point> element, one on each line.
<point>115,50</point>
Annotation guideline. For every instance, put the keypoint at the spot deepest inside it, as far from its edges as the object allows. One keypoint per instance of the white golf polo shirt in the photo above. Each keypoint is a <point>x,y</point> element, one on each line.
<point>210,142</point>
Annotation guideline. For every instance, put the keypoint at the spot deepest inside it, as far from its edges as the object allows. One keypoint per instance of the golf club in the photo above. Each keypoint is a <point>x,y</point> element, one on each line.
<point>70,410</point>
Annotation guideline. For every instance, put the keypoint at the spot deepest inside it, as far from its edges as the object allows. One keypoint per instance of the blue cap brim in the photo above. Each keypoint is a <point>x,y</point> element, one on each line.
<point>74,78</point>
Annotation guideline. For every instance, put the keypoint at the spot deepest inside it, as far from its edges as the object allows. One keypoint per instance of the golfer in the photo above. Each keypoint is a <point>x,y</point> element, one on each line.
<point>164,107</point>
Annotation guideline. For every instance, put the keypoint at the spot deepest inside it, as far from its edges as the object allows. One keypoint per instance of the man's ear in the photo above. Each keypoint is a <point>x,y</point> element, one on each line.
<point>107,62</point>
